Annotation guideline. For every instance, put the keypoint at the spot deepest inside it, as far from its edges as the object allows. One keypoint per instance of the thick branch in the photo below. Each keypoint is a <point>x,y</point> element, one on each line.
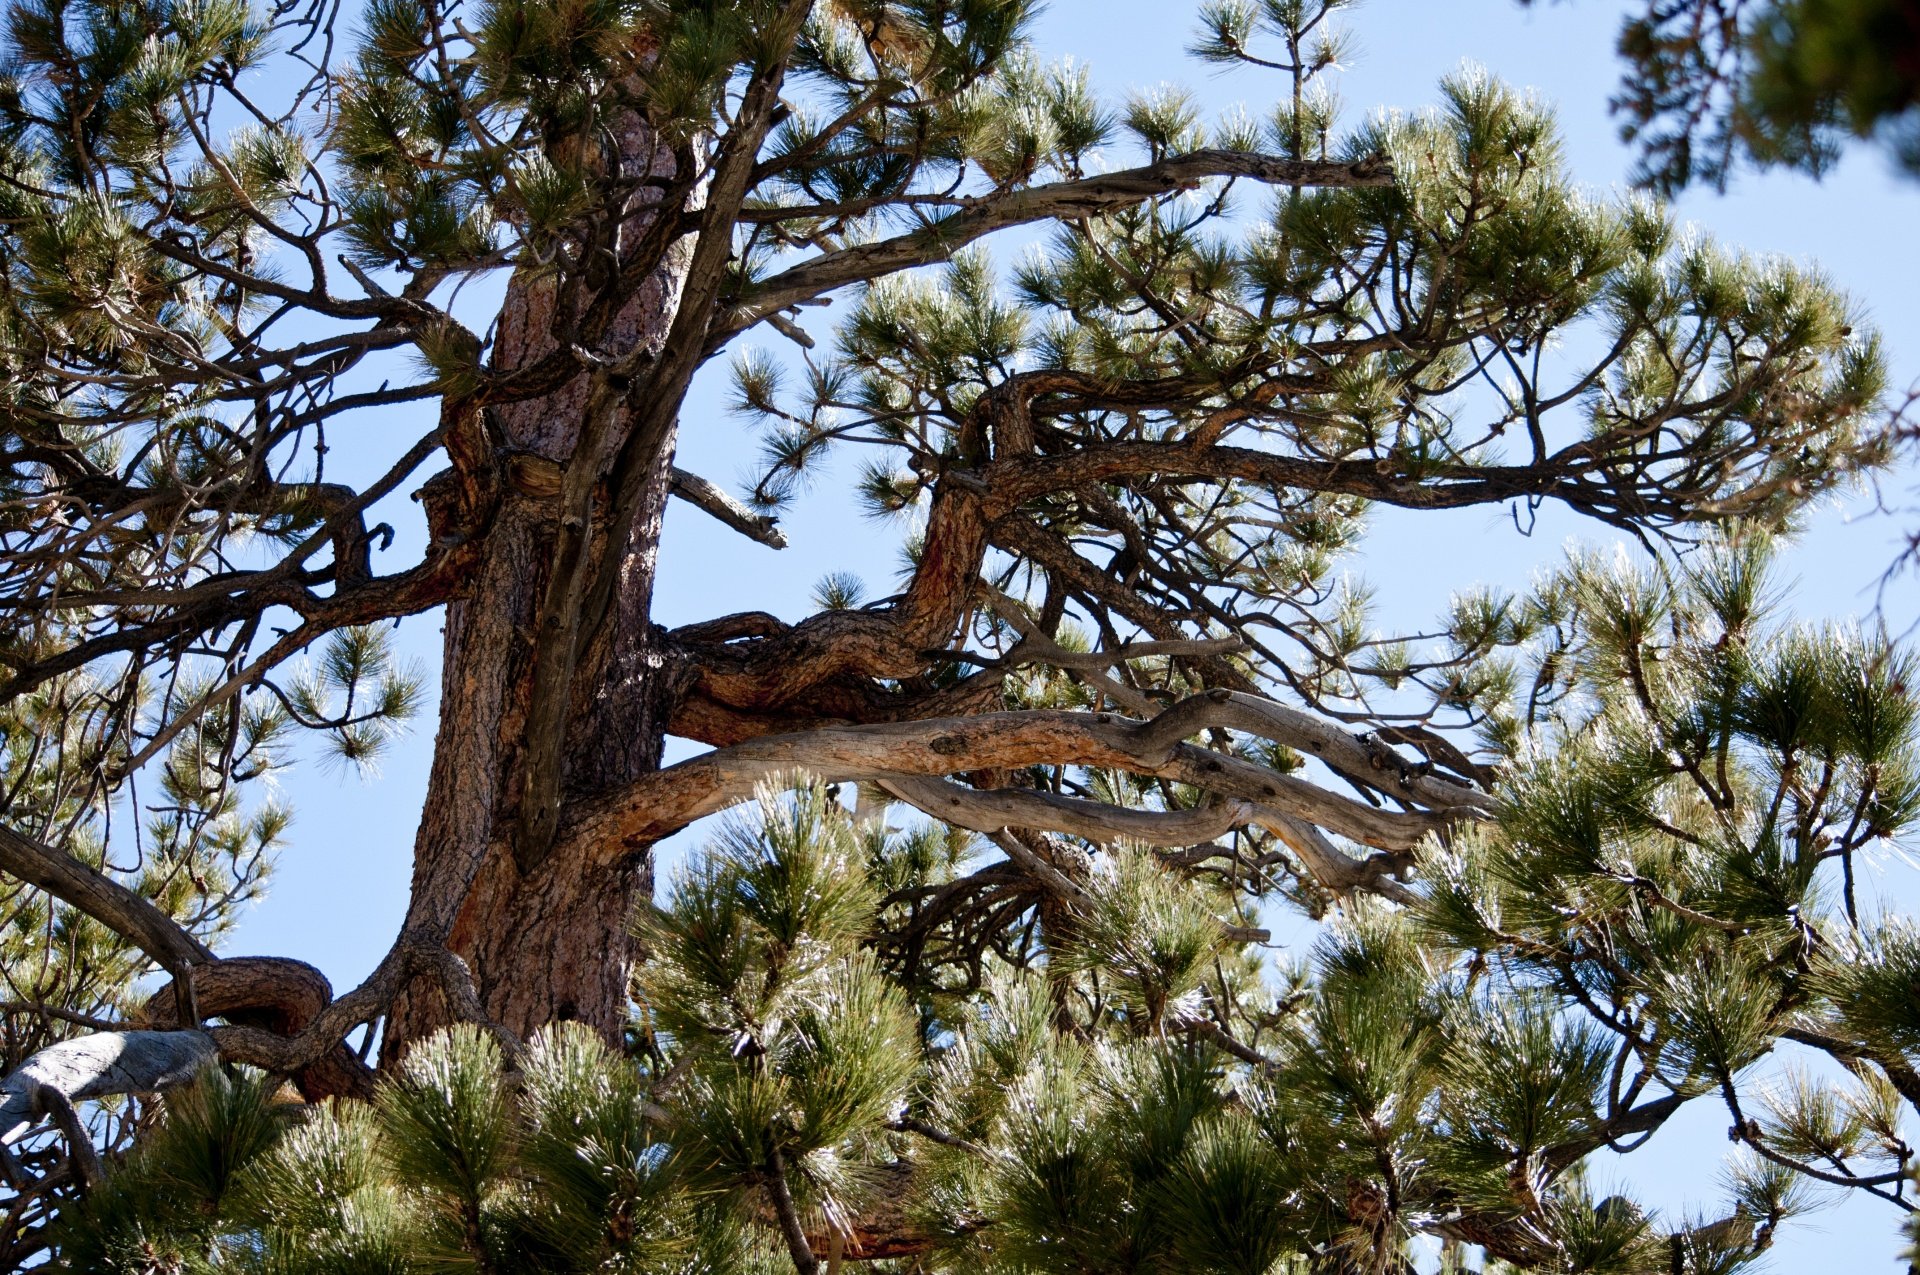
<point>1363,759</point>
<point>283,1021</point>
<point>98,1065</point>
<point>669,799</point>
<point>102,898</point>
<point>1332,867</point>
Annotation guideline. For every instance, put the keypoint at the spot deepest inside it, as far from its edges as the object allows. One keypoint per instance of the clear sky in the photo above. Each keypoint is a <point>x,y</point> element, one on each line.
<point>341,886</point>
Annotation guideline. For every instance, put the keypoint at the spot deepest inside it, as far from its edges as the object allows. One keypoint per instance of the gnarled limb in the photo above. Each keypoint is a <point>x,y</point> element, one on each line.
<point>273,995</point>
<point>282,1018</point>
<point>675,796</point>
<point>992,811</point>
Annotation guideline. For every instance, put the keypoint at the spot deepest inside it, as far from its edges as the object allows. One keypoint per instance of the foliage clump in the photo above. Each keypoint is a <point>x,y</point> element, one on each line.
<point>1583,854</point>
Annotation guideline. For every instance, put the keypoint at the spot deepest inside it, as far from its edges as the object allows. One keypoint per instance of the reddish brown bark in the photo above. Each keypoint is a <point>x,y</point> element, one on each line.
<point>548,941</point>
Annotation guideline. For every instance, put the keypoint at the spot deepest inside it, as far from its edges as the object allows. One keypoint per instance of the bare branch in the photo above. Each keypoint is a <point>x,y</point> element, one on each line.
<point>712,499</point>
<point>990,811</point>
<point>99,1065</point>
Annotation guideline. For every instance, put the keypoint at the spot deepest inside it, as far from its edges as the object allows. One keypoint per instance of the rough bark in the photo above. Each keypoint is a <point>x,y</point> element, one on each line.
<point>546,938</point>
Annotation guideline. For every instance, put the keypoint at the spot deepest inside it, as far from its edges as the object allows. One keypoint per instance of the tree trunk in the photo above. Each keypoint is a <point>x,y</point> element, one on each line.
<point>551,943</point>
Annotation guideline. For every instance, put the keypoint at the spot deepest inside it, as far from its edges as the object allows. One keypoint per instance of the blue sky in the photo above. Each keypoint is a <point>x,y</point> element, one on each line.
<point>341,886</point>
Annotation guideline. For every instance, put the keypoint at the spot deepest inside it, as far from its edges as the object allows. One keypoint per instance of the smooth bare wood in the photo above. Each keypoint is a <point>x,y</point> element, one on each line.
<point>98,1065</point>
<point>991,810</point>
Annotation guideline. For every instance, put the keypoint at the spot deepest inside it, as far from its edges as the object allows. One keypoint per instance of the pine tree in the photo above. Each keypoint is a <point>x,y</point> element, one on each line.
<point>1713,83</point>
<point>1581,855</point>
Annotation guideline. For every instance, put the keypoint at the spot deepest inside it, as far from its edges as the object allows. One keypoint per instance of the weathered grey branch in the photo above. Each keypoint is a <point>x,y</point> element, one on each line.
<point>990,811</point>
<point>1331,866</point>
<point>284,1020</point>
<point>1366,760</point>
<point>80,1152</point>
<point>1045,648</point>
<point>58,1013</point>
<point>98,1065</point>
<point>713,499</point>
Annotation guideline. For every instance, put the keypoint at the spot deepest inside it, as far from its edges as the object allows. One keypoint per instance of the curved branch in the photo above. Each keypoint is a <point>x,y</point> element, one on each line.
<point>1363,759</point>
<point>265,999</point>
<point>98,1065</point>
<point>102,898</point>
<point>274,995</point>
<point>1085,197</point>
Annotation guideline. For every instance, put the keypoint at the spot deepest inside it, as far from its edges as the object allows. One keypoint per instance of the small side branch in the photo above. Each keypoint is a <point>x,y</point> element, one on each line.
<point>712,499</point>
<point>804,1262</point>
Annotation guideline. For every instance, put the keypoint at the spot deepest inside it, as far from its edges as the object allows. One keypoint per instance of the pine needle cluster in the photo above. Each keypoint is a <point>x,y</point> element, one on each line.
<point>1606,849</point>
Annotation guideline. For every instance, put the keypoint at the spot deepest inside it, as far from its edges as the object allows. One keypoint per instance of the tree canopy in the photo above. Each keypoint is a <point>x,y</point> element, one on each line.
<point>1711,83</point>
<point>980,978</point>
